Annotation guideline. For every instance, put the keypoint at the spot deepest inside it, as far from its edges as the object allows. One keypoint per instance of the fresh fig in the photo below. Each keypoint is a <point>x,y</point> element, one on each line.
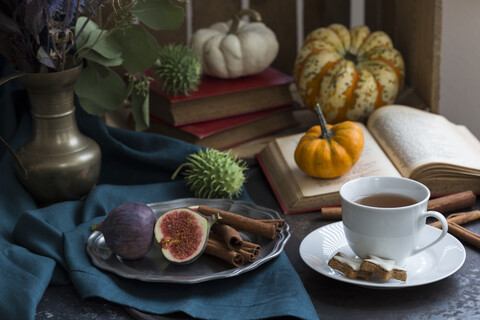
<point>128,229</point>
<point>183,233</point>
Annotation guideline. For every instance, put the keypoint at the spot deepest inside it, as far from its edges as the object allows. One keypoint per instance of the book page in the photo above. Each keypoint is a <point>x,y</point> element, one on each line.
<point>412,138</point>
<point>372,162</point>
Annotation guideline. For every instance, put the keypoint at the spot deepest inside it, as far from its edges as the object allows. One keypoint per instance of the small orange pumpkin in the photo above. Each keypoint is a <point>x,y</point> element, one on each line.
<point>329,151</point>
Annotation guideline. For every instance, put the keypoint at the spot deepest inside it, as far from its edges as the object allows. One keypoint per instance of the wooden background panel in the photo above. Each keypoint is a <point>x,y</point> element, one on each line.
<point>413,25</point>
<point>321,13</point>
<point>206,13</point>
<point>415,29</point>
<point>385,15</point>
<point>280,16</point>
<point>177,36</point>
<point>427,54</point>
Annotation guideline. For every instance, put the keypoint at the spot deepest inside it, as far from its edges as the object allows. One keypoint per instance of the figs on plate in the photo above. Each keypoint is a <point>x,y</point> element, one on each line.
<point>183,233</point>
<point>128,229</point>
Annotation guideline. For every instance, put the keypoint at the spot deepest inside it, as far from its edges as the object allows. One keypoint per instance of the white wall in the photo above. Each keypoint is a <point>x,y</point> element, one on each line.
<point>460,63</point>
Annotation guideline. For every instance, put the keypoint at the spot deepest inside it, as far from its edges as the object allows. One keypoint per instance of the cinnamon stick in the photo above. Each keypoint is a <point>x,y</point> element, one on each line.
<point>443,204</point>
<point>459,218</point>
<point>452,202</point>
<point>280,223</point>
<point>464,234</point>
<point>332,213</point>
<point>240,222</point>
<point>229,235</point>
<point>248,250</point>
<point>249,256</point>
<point>220,250</point>
<point>250,246</point>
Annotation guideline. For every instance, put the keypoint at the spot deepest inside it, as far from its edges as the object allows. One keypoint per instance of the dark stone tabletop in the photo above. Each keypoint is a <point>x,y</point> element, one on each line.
<point>456,297</point>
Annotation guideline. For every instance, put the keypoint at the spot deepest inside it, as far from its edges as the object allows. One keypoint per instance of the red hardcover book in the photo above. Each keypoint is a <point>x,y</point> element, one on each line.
<point>222,98</point>
<point>228,132</point>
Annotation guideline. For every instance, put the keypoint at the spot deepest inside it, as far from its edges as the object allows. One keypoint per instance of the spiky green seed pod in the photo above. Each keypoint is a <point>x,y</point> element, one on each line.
<point>179,69</point>
<point>214,174</point>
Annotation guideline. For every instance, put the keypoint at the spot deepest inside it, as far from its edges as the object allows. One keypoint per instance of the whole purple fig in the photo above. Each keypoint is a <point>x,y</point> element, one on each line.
<point>128,229</point>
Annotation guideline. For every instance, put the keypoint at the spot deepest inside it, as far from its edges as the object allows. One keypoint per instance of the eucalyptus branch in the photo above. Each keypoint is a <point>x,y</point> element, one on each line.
<point>47,10</point>
<point>49,18</point>
<point>67,14</point>
<point>86,21</point>
<point>77,10</point>
<point>82,52</point>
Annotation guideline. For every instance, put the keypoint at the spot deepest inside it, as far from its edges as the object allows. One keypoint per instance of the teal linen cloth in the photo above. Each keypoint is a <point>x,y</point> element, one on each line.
<point>46,246</point>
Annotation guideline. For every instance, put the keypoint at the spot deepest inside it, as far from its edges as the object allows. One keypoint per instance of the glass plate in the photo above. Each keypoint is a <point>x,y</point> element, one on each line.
<point>153,267</point>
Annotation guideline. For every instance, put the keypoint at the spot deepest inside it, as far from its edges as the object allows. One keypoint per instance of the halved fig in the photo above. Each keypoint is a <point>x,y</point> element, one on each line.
<point>183,233</point>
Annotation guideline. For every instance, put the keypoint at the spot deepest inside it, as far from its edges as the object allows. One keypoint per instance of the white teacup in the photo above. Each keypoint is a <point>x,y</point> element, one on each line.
<point>387,232</point>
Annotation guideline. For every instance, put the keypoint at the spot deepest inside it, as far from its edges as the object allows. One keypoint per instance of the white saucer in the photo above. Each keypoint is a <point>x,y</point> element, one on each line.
<point>435,263</point>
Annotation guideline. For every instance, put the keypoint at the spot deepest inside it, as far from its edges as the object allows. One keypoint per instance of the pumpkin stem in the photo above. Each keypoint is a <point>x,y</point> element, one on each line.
<point>326,133</point>
<point>236,18</point>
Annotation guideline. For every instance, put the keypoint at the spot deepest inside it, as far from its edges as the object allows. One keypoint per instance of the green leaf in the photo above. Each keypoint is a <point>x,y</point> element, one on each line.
<point>140,49</point>
<point>95,57</point>
<point>83,37</point>
<point>99,89</point>
<point>159,14</point>
<point>140,111</point>
<point>105,45</point>
<point>95,44</point>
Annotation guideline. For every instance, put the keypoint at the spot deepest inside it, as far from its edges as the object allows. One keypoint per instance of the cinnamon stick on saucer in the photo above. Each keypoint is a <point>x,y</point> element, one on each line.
<point>240,222</point>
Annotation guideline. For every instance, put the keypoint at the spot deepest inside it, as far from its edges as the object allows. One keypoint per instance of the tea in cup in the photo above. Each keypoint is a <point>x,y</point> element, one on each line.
<point>385,217</point>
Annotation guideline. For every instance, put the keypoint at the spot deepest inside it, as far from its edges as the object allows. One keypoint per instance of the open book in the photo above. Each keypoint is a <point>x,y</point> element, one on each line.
<point>399,141</point>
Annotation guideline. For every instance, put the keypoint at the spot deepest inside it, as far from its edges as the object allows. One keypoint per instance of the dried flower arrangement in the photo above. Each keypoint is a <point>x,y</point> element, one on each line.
<point>48,35</point>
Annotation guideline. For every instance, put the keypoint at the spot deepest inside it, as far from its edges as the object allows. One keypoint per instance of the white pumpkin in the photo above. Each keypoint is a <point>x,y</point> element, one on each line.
<point>235,48</point>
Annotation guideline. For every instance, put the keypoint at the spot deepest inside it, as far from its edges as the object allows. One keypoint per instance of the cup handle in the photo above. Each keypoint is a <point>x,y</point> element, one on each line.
<point>444,223</point>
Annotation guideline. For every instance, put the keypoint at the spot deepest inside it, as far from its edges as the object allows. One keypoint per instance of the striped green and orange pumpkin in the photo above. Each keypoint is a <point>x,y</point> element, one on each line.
<point>349,73</point>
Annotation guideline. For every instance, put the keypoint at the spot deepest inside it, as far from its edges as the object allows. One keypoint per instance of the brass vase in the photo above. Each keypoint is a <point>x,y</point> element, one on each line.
<point>58,163</point>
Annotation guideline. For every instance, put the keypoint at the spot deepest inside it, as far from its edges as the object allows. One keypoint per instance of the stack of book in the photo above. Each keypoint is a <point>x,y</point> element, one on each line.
<point>224,113</point>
